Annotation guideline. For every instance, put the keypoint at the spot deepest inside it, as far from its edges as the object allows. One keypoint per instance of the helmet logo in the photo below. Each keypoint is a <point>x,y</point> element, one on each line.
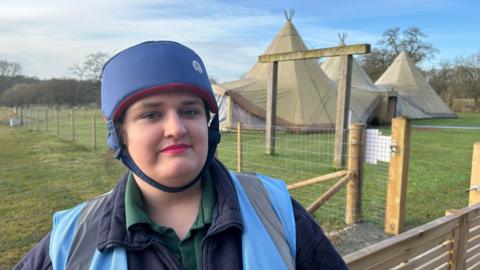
<point>197,66</point>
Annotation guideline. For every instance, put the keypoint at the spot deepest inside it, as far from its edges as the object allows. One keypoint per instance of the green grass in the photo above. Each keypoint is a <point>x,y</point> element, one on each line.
<point>464,119</point>
<point>440,167</point>
<point>41,173</point>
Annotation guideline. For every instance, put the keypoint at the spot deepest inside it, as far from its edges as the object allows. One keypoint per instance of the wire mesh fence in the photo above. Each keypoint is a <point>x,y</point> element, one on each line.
<point>50,181</point>
<point>80,125</point>
<point>298,156</point>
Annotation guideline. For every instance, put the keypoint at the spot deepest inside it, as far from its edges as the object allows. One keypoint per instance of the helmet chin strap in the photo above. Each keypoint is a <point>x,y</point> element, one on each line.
<point>213,140</point>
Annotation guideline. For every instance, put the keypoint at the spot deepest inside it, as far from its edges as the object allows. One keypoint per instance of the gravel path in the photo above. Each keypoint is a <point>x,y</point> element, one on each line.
<point>356,237</point>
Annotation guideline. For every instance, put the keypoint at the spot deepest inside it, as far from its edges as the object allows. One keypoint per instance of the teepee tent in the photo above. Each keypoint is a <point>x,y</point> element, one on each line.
<point>306,97</point>
<point>416,99</point>
<point>365,95</point>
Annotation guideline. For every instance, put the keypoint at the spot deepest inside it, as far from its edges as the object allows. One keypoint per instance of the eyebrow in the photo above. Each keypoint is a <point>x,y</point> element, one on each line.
<point>154,104</point>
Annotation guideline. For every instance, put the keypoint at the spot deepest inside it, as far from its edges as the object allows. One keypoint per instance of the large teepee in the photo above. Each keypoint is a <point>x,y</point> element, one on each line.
<point>416,99</point>
<point>364,93</point>
<point>306,97</point>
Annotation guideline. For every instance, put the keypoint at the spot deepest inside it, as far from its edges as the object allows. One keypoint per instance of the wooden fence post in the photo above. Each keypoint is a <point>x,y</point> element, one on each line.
<point>271,114</point>
<point>353,210</point>
<point>94,131</point>
<point>21,115</point>
<point>73,124</point>
<point>460,244</point>
<point>37,127</point>
<point>56,122</point>
<point>239,147</point>
<point>397,176</point>
<point>46,120</point>
<point>474,196</point>
<point>343,107</point>
<point>31,118</point>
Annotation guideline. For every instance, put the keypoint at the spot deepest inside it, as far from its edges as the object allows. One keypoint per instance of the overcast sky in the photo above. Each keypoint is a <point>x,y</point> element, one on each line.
<point>48,37</point>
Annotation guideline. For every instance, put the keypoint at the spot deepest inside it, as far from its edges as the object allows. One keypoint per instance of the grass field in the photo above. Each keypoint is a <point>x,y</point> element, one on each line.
<point>41,173</point>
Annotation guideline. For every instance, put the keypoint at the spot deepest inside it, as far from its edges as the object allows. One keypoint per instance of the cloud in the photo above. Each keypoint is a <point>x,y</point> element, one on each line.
<point>47,37</point>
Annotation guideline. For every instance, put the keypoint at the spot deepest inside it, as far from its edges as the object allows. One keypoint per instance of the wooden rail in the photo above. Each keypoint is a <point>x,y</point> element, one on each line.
<point>329,193</point>
<point>450,242</point>
<point>316,180</point>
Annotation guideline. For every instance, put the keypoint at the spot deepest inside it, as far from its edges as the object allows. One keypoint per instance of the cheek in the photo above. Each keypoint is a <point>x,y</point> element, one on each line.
<point>135,139</point>
<point>201,137</point>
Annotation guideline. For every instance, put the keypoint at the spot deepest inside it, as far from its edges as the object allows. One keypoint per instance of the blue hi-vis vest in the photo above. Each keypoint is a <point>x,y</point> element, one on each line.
<point>268,240</point>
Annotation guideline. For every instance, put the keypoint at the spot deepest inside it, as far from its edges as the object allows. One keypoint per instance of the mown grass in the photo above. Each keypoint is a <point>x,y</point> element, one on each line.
<point>41,173</point>
<point>469,119</point>
<point>440,167</point>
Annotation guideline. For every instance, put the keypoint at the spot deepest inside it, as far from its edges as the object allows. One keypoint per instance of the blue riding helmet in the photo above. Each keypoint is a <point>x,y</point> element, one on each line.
<point>149,68</point>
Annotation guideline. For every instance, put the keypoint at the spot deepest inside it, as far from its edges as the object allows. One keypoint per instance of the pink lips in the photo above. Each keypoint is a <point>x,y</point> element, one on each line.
<point>176,148</point>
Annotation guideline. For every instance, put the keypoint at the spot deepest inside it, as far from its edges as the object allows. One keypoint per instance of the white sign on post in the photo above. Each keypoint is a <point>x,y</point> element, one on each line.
<point>377,146</point>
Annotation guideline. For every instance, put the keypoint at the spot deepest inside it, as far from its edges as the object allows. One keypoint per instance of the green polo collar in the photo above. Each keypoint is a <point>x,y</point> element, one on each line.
<point>135,206</point>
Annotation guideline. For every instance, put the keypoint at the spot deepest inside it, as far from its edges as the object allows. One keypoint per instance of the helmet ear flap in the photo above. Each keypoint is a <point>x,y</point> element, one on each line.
<point>112,140</point>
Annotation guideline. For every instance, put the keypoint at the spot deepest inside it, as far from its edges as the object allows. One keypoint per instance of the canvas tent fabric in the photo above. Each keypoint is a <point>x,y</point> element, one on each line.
<point>306,97</point>
<point>365,95</point>
<point>416,99</point>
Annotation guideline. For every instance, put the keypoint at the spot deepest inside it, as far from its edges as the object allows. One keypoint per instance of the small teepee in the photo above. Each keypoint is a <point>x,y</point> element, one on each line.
<point>416,99</point>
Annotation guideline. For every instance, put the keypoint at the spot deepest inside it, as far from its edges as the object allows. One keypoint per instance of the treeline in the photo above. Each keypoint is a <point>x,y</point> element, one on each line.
<point>68,92</point>
<point>459,78</point>
<point>83,89</point>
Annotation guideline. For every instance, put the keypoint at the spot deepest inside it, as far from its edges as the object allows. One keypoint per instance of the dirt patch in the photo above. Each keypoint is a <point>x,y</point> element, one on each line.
<point>356,237</point>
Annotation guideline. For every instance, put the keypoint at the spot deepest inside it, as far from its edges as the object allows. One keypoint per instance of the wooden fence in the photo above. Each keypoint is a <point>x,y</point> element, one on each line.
<point>78,127</point>
<point>450,242</point>
<point>37,119</point>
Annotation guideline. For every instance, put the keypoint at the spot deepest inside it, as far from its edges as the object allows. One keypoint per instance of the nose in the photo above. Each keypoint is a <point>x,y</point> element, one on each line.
<point>174,126</point>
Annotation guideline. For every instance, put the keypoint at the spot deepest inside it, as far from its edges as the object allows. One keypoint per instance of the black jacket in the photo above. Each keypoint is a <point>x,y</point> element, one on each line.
<point>221,248</point>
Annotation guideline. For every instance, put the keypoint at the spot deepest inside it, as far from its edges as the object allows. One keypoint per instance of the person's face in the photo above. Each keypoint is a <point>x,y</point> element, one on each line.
<point>167,137</point>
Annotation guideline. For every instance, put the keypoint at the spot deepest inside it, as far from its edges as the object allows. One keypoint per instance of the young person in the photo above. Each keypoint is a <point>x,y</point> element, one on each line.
<point>177,207</point>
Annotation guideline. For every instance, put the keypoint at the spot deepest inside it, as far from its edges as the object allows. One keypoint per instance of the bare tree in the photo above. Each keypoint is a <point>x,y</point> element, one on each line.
<point>377,62</point>
<point>445,81</point>
<point>468,72</point>
<point>94,63</point>
<point>77,71</point>
<point>411,41</point>
<point>91,68</point>
<point>392,42</point>
<point>10,69</point>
